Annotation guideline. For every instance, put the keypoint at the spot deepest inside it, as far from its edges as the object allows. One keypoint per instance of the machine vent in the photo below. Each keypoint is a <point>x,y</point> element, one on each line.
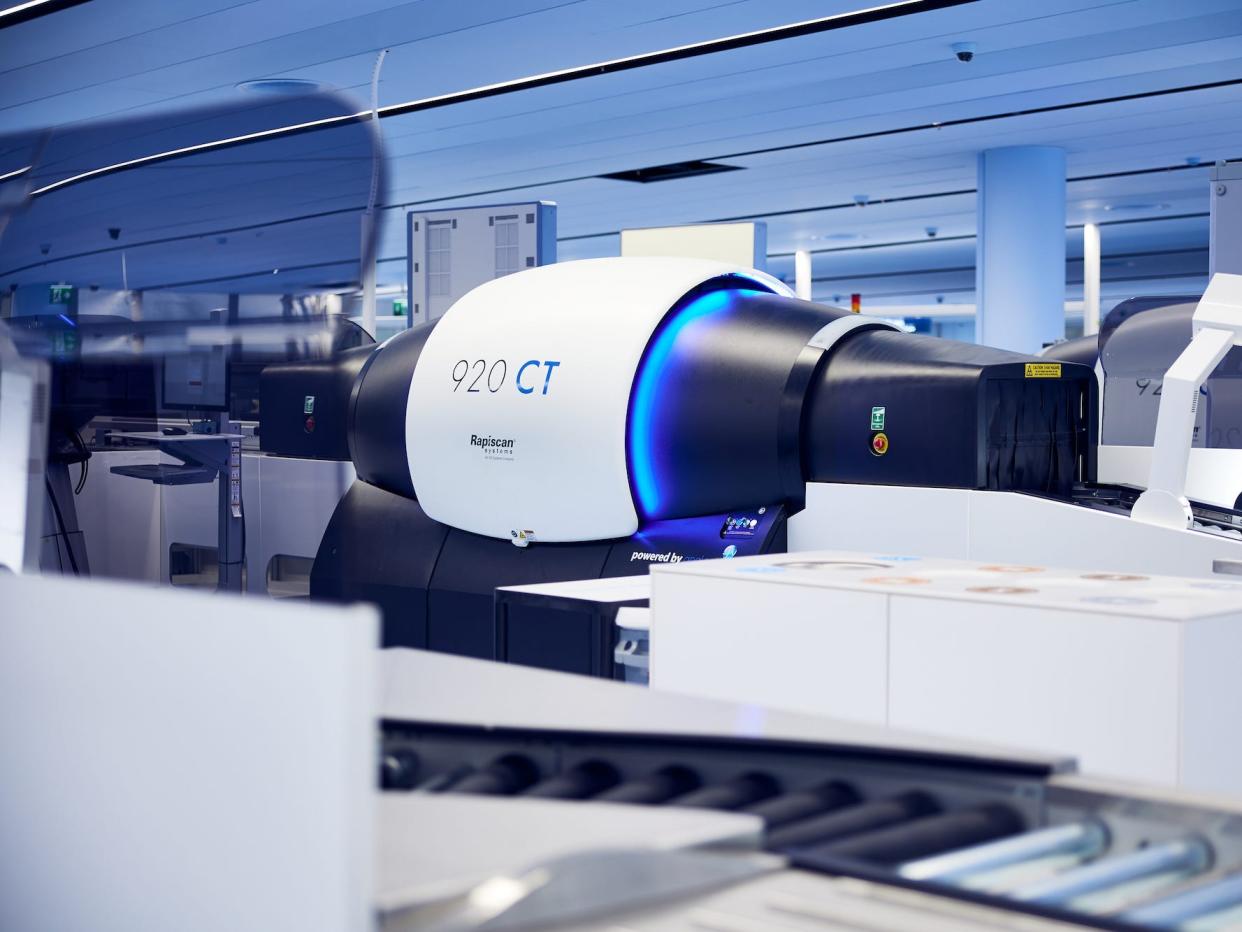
<point>671,171</point>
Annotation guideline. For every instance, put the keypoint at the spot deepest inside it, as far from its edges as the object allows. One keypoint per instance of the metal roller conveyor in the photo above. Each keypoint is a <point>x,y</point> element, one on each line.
<point>653,789</point>
<point>580,782</point>
<point>803,804</point>
<point>399,770</point>
<point>1185,905</point>
<point>1081,839</point>
<point>972,840</point>
<point>1175,858</point>
<point>734,794</point>
<point>926,836</point>
<point>440,781</point>
<point>854,820</point>
<point>504,776</point>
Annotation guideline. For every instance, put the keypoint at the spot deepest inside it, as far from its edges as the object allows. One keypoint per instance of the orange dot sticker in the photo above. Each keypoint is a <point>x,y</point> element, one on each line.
<point>897,580</point>
<point>1011,569</point>
<point>879,444</point>
<point>1001,590</point>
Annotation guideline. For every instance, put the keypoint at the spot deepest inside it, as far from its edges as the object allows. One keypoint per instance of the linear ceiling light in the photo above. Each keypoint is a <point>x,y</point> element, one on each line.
<point>13,174</point>
<point>199,147</point>
<point>873,14</point>
<point>16,13</point>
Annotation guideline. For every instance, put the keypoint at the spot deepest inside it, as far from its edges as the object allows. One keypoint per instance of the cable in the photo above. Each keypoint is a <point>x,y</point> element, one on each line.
<point>86,462</point>
<point>60,520</point>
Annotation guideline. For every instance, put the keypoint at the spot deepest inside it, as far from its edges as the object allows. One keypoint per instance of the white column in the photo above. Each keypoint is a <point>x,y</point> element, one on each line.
<point>802,274</point>
<point>1020,256</point>
<point>1090,279</point>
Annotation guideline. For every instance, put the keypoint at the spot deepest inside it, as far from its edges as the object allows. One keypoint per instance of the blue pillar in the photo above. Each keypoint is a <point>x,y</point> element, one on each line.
<point>1020,252</point>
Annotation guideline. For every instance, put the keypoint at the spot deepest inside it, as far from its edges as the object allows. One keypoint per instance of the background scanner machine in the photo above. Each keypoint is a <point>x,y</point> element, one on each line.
<point>593,418</point>
<point>1170,421</point>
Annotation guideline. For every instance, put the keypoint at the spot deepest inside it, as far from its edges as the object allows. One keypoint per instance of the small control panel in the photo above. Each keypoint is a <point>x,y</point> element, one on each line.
<point>235,504</point>
<point>741,526</point>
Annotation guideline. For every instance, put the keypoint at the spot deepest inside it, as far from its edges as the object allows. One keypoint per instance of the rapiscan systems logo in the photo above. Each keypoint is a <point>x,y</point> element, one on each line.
<point>493,448</point>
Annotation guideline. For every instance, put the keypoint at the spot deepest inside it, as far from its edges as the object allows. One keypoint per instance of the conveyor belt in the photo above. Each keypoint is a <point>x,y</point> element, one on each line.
<point>1120,499</point>
<point>993,833</point>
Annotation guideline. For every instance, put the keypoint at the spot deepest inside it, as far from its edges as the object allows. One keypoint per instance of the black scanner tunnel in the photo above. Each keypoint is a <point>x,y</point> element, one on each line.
<point>752,406</point>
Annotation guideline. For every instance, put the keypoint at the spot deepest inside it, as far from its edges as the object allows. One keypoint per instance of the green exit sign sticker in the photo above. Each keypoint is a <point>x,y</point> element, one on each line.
<point>398,309</point>
<point>60,294</point>
<point>877,418</point>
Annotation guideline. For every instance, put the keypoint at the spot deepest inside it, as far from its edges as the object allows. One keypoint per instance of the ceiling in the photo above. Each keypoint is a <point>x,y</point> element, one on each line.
<point>1136,91</point>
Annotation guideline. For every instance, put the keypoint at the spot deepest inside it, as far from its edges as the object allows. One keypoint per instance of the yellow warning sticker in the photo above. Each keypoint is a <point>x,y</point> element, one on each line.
<point>1043,370</point>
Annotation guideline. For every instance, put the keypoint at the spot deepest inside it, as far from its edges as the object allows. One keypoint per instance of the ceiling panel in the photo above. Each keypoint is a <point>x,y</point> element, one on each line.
<point>109,57</point>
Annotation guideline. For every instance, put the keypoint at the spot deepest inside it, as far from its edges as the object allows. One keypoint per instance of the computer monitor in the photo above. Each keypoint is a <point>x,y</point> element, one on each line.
<point>197,381</point>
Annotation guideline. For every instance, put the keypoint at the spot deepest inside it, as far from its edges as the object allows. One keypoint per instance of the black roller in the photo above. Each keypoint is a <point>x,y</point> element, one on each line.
<point>734,794</point>
<point>927,836</point>
<point>653,789</point>
<point>791,807</point>
<point>502,777</point>
<point>579,782</point>
<point>854,820</point>
<point>399,770</point>
<point>440,781</point>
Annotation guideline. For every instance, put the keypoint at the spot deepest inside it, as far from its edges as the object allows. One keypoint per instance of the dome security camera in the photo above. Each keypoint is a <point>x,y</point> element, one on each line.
<point>965,51</point>
<point>931,232</point>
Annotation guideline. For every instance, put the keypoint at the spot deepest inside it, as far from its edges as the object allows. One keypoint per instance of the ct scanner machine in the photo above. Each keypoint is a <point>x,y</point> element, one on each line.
<point>592,418</point>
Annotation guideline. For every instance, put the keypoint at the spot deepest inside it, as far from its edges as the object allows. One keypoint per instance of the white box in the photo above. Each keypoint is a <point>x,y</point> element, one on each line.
<point>453,250</point>
<point>179,760</point>
<point>1135,675</point>
<point>744,244</point>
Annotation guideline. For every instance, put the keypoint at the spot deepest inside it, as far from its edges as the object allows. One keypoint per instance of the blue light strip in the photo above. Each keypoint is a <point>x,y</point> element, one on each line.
<point>643,443</point>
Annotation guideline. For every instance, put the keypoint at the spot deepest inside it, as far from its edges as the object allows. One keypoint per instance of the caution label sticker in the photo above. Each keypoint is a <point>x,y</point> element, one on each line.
<point>1043,370</point>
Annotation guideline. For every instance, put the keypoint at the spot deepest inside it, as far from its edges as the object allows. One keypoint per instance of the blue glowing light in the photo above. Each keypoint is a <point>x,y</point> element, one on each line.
<point>644,441</point>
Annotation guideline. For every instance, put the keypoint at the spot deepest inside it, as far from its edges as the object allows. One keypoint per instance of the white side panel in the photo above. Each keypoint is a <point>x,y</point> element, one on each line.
<point>189,515</point>
<point>1008,527</point>
<point>1212,705</point>
<point>1214,474</point>
<point>120,517</point>
<point>1101,688</point>
<point>427,686</point>
<point>787,647</point>
<point>183,761</point>
<point>293,502</point>
<point>431,844</point>
<point>1003,527</point>
<point>882,519</point>
<point>517,412</point>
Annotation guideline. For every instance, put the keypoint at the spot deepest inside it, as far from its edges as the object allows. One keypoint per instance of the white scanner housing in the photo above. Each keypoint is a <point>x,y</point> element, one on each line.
<point>522,391</point>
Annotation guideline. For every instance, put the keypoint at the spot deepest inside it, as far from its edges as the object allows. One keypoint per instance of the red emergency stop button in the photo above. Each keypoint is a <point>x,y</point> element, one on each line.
<point>879,444</point>
<point>310,424</point>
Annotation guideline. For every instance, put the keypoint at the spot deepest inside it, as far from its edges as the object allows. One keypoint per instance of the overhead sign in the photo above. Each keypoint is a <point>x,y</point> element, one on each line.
<point>60,294</point>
